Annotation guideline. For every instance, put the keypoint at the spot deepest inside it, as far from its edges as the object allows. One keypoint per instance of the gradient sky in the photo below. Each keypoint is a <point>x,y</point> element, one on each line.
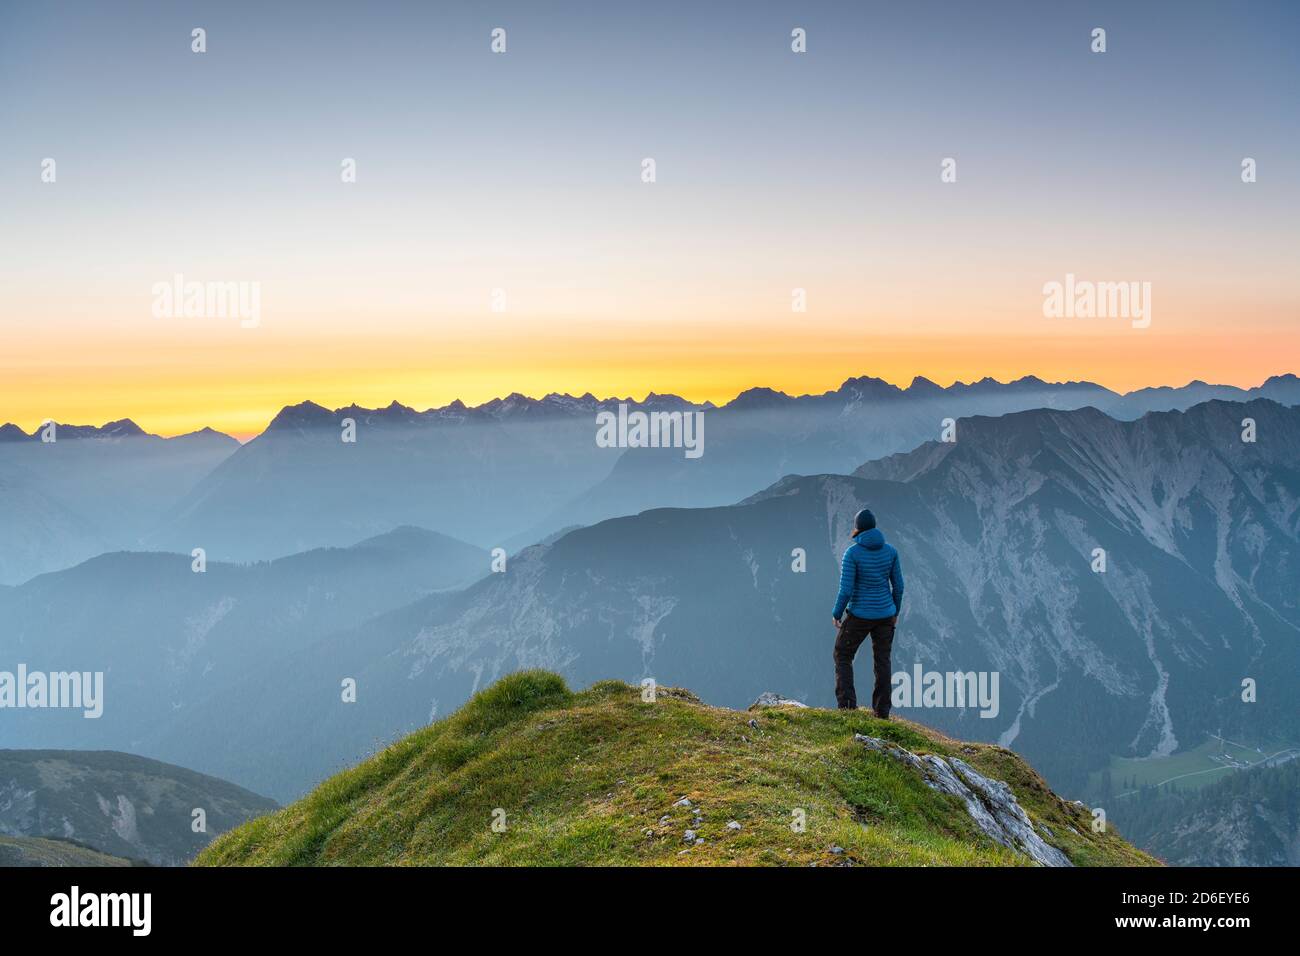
<point>521,171</point>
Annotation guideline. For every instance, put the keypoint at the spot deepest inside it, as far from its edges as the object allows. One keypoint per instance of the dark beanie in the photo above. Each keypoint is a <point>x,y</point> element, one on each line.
<point>864,521</point>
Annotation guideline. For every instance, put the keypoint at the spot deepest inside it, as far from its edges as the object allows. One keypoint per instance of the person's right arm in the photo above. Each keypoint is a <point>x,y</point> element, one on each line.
<point>847,571</point>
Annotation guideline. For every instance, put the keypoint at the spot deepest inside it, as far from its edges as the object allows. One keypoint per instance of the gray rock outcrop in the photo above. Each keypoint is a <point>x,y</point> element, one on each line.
<point>772,699</point>
<point>991,803</point>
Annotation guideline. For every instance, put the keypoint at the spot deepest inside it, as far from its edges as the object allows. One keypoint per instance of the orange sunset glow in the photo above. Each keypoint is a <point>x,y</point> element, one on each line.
<point>511,246</point>
<point>171,388</point>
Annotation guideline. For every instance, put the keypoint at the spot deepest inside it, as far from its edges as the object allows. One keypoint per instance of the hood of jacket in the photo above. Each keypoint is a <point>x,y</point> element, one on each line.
<point>872,540</point>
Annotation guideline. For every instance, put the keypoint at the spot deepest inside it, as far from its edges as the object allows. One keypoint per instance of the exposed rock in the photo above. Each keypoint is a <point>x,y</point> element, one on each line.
<point>733,825</point>
<point>772,699</point>
<point>680,693</point>
<point>991,803</point>
<point>683,802</point>
<point>690,836</point>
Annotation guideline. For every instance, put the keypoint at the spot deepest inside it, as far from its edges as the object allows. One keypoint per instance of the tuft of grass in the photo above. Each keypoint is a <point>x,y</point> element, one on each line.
<point>592,779</point>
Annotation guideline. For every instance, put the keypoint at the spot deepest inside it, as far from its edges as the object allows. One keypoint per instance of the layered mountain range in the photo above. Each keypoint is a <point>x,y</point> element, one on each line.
<point>167,636</point>
<point>506,473</point>
<point>92,490</point>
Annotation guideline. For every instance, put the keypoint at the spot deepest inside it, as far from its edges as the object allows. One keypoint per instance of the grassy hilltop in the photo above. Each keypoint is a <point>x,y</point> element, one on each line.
<point>599,777</point>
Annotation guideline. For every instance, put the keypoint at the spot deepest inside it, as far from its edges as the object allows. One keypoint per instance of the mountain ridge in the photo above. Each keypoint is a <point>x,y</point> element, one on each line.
<point>308,412</point>
<point>854,387</point>
<point>119,429</point>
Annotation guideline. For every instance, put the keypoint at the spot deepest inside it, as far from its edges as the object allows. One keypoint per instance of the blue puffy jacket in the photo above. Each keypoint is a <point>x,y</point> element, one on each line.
<point>871,579</point>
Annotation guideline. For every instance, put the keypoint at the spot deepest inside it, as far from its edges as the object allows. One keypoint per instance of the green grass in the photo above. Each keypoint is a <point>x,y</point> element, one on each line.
<point>585,778</point>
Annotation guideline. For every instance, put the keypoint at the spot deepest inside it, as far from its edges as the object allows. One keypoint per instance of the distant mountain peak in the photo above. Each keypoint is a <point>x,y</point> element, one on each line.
<point>303,415</point>
<point>123,426</point>
<point>759,397</point>
<point>867,385</point>
<point>205,434</point>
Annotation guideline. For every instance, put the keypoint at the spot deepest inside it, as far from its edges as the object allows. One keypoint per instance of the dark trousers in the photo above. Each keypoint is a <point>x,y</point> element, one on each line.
<point>853,631</point>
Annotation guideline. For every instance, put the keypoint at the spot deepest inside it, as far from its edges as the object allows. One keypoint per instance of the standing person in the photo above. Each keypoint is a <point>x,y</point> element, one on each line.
<point>871,595</point>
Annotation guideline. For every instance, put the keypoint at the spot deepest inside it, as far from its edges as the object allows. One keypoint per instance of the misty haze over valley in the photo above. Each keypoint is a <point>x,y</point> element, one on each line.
<point>442,550</point>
